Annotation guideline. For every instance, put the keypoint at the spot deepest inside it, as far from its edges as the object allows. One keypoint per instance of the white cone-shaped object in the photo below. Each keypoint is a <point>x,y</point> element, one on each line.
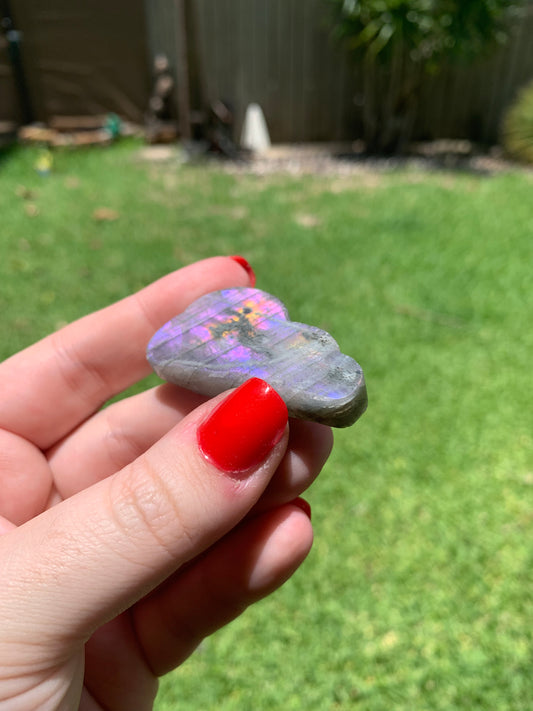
<point>255,136</point>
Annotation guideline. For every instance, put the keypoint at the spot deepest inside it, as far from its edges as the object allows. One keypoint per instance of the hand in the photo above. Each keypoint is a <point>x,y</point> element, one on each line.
<point>129,533</point>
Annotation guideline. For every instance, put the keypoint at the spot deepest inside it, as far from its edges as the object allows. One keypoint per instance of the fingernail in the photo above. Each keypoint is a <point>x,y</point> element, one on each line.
<point>302,504</point>
<point>244,428</point>
<point>245,265</point>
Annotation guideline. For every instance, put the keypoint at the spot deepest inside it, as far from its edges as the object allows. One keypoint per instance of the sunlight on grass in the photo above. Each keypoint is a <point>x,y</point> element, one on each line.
<point>418,592</point>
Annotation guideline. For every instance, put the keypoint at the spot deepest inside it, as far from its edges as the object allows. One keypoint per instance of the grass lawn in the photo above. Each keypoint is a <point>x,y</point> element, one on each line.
<point>418,593</point>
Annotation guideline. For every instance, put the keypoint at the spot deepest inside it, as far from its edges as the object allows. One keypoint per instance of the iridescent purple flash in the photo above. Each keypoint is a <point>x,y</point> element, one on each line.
<point>226,337</point>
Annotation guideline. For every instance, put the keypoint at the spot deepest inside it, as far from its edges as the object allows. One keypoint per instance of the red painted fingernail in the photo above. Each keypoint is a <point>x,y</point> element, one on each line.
<point>302,504</point>
<point>244,428</point>
<point>245,265</point>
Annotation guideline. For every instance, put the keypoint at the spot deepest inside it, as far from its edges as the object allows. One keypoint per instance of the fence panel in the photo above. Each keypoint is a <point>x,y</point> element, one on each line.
<point>9,108</point>
<point>280,54</point>
<point>469,101</point>
<point>89,57</point>
<point>84,57</point>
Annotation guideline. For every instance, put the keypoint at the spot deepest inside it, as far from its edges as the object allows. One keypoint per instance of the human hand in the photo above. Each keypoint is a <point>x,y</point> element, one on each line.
<point>132,532</point>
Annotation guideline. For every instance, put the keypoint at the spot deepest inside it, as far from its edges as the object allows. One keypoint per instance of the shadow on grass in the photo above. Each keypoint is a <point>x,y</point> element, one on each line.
<point>8,147</point>
<point>436,156</point>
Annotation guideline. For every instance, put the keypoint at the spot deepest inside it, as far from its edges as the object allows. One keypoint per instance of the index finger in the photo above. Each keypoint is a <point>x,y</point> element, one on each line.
<point>52,386</point>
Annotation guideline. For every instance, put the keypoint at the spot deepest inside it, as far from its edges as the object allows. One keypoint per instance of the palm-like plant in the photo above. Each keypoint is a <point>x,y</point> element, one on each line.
<point>399,40</point>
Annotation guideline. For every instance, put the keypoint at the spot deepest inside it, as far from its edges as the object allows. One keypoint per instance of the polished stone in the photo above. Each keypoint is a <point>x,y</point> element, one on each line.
<point>228,336</point>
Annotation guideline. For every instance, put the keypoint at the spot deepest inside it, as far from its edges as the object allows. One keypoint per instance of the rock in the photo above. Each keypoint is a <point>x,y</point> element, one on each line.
<point>228,336</point>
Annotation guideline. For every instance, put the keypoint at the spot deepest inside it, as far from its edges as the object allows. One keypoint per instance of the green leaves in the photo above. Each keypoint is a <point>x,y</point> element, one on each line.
<point>407,38</point>
<point>429,29</point>
<point>518,126</point>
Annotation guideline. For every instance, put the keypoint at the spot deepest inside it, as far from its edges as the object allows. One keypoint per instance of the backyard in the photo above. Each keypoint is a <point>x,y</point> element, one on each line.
<point>418,593</point>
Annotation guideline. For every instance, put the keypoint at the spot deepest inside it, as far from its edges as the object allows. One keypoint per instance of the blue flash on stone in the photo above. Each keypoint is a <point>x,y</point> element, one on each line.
<point>226,337</point>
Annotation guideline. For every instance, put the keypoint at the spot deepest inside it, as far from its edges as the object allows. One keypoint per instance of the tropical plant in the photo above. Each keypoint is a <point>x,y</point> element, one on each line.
<point>517,132</point>
<point>400,40</point>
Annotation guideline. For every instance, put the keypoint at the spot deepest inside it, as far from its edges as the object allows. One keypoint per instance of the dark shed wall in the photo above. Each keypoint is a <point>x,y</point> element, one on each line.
<point>9,107</point>
<point>85,57</point>
<point>93,56</point>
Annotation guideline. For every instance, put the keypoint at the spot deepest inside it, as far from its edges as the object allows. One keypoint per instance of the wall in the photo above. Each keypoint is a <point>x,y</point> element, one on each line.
<point>82,57</point>
<point>280,54</point>
<point>93,56</point>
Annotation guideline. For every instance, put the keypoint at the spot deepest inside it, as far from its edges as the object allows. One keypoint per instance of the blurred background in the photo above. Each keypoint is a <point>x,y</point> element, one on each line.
<point>308,64</point>
<point>371,159</point>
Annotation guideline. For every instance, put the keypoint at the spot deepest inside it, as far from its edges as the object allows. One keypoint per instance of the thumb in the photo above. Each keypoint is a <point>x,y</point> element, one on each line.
<point>79,564</point>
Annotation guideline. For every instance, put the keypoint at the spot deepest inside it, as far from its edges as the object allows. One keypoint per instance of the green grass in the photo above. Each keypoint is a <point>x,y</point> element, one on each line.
<point>418,593</point>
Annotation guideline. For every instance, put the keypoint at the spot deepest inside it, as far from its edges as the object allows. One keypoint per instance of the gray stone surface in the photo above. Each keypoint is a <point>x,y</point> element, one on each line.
<point>226,337</point>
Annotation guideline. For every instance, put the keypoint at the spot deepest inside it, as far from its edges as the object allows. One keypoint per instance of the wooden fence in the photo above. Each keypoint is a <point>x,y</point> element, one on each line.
<point>78,57</point>
<point>89,56</point>
<point>280,54</point>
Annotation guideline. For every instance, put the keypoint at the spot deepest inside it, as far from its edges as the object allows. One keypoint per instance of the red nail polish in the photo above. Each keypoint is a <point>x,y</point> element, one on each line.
<point>302,504</point>
<point>245,265</point>
<point>243,429</point>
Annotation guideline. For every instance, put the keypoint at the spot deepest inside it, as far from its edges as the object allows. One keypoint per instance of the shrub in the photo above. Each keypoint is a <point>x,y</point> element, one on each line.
<point>517,133</point>
<point>408,38</point>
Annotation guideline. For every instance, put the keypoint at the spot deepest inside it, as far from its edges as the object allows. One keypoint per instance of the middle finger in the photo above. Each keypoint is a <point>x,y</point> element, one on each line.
<point>116,435</point>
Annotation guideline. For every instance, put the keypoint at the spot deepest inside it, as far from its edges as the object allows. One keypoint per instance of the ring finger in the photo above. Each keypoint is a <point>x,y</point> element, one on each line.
<point>117,435</point>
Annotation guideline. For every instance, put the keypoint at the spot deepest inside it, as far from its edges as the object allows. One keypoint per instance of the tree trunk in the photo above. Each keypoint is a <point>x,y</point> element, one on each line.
<point>390,102</point>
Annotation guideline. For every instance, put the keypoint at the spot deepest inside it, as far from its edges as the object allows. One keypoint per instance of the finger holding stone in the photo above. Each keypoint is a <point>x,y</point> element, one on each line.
<point>115,436</point>
<point>81,563</point>
<point>87,362</point>
<point>310,445</point>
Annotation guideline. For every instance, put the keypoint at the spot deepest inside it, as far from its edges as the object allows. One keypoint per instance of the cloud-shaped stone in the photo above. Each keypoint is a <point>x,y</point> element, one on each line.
<point>226,337</point>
